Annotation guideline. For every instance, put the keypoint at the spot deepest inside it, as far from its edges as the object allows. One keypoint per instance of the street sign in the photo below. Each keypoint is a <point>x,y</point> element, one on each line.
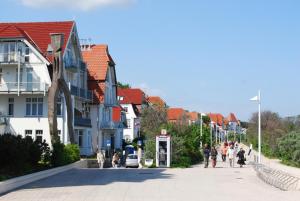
<point>163,132</point>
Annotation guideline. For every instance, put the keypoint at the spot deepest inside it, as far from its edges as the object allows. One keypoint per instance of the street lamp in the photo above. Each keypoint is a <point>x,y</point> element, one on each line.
<point>211,131</point>
<point>201,128</point>
<point>258,100</point>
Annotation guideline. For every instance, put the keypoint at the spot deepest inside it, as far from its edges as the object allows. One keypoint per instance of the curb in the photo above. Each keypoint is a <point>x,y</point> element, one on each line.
<point>17,182</point>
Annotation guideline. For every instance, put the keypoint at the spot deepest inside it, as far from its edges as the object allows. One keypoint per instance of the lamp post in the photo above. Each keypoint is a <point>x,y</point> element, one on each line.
<point>201,128</point>
<point>211,131</point>
<point>258,100</point>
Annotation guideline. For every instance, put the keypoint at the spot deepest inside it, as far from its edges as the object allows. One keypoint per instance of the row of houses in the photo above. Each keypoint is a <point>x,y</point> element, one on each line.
<point>26,70</point>
<point>102,115</point>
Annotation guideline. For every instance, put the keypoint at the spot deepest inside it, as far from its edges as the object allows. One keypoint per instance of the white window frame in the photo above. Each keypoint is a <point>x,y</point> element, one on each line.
<point>28,132</point>
<point>37,101</point>
<point>39,133</point>
<point>11,101</point>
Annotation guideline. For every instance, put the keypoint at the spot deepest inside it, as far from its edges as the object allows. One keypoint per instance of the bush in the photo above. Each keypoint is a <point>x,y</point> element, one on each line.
<point>289,148</point>
<point>63,155</point>
<point>18,155</point>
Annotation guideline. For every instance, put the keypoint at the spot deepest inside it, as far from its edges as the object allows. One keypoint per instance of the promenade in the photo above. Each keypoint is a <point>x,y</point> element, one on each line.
<point>192,184</point>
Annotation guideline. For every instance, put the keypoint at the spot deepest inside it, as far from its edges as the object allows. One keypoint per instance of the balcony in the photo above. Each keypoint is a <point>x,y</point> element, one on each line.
<point>10,58</point>
<point>107,125</point>
<point>82,93</point>
<point>24,87</point>
<point>84,122</point>
<point>74,65</point>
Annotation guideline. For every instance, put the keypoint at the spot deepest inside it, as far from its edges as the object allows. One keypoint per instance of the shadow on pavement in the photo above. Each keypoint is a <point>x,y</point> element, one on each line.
<point>88,177</point>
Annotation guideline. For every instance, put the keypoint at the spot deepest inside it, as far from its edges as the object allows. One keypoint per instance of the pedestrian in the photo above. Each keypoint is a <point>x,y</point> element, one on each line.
<point>206,153</point>
<point>230,154</point>
<point>100,159</point>
<point>214,154</point>
<point>242,158</point>
<point>250,150</point>
<point>224,152</point>
<point>115,160</point>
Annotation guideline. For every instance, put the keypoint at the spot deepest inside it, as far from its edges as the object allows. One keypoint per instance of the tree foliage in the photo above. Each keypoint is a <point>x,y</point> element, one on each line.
<point>124,85</point>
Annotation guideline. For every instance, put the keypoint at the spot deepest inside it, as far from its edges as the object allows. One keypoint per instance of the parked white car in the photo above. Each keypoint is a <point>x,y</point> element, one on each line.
<point>132,161</point>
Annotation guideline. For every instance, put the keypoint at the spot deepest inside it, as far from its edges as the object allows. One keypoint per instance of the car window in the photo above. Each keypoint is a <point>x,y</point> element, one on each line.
<point>132,157</point>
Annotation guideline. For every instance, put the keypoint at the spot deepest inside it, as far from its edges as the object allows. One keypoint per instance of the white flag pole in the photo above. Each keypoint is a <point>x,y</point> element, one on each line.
<point>259,127</point>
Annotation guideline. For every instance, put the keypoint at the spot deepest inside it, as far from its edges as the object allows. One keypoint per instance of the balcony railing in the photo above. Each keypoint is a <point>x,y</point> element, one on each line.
<point>24,87</point>
<point>107,125</point>
<point>85,122</point>
<point>83,93</point>
<point>74,65</point>
<point>11,58</point>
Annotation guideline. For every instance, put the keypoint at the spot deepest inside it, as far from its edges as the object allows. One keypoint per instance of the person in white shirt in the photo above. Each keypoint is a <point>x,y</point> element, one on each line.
<point>231,155</point>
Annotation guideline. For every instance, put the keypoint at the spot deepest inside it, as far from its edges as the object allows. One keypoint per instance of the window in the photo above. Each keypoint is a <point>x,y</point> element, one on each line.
<point>28,133</point>
<point>80,139</point>
<point>59,135</point>
<point>59,107</point>
<point>128,123</point>
<point>0,76</point>
<point>10,106</point>
<point>39,135</point>
<point>21,75</point>
<point>34,106</point>
<point>27,54</point>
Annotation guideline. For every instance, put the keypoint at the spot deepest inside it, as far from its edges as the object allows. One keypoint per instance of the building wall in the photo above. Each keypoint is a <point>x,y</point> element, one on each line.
<point>132,131</point>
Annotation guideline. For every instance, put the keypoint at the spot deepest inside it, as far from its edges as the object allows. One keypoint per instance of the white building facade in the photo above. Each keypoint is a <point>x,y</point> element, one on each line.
<point>25,77</point>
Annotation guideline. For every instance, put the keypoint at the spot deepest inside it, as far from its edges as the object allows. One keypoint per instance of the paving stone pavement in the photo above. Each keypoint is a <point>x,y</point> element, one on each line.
<point>195,184</point>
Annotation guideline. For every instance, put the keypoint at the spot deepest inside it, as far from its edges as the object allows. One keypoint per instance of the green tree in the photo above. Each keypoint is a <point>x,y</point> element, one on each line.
<point>124,85</point>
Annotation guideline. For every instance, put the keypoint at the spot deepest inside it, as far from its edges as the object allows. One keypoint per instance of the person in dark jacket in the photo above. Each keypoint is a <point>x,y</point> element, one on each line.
<point>241,156</point>
<point>206,153</point>
<point>214,154</point>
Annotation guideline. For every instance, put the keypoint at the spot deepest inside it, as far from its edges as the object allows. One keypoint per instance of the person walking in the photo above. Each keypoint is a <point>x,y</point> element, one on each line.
<point>224,152</point>
<point>242,158</point>
<point>214,154</point>
<point>206,153</point>
<point>115,160</point>
<point>100,159</point>
<point>230,154</point>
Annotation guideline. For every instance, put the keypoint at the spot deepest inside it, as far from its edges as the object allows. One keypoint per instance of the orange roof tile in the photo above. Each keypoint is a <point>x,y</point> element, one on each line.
<point>97,59</point>
<point>232,118</point>
<point>131,96</point>
<point>217,118</point>
<point>176,113</point>
<point>156,100</point>
<point>37,33</point>
<point>193,116</point>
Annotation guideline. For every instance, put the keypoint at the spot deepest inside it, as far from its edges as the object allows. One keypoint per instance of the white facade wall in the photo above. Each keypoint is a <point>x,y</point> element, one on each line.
<point>133,126</point>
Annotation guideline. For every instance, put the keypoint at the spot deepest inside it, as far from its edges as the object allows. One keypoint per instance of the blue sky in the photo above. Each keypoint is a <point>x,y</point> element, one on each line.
<point>209,56</point>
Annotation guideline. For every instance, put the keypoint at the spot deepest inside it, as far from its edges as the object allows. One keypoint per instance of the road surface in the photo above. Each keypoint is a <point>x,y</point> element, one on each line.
<point>192,184</point>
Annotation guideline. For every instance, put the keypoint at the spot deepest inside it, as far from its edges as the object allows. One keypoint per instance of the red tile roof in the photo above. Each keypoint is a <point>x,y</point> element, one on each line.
<point>216,117</point>
<point>232,118</point>
<point>131,96</point>
<point>176,114</point>
<point>37,33</point>
<point>193,116</point>
<point>156,100</point>
<point>97,59</point>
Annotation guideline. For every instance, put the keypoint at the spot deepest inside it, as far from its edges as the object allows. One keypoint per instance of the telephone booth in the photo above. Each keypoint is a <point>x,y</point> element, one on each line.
<point>163,150</point>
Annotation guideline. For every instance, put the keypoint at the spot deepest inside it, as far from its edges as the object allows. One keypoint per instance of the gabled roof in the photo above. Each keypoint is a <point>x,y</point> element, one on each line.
<point>37,33</point>
<point>131,96</point>
<point>193,116</point>
<point>157,101</point>
<point>232,118</point>
<point>176,114</point>
<point>216,118</point>
<point>97,59</point>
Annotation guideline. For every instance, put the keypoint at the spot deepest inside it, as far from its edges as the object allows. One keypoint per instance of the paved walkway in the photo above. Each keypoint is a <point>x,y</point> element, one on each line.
<point>275,164</point>
<point>195,184</point>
